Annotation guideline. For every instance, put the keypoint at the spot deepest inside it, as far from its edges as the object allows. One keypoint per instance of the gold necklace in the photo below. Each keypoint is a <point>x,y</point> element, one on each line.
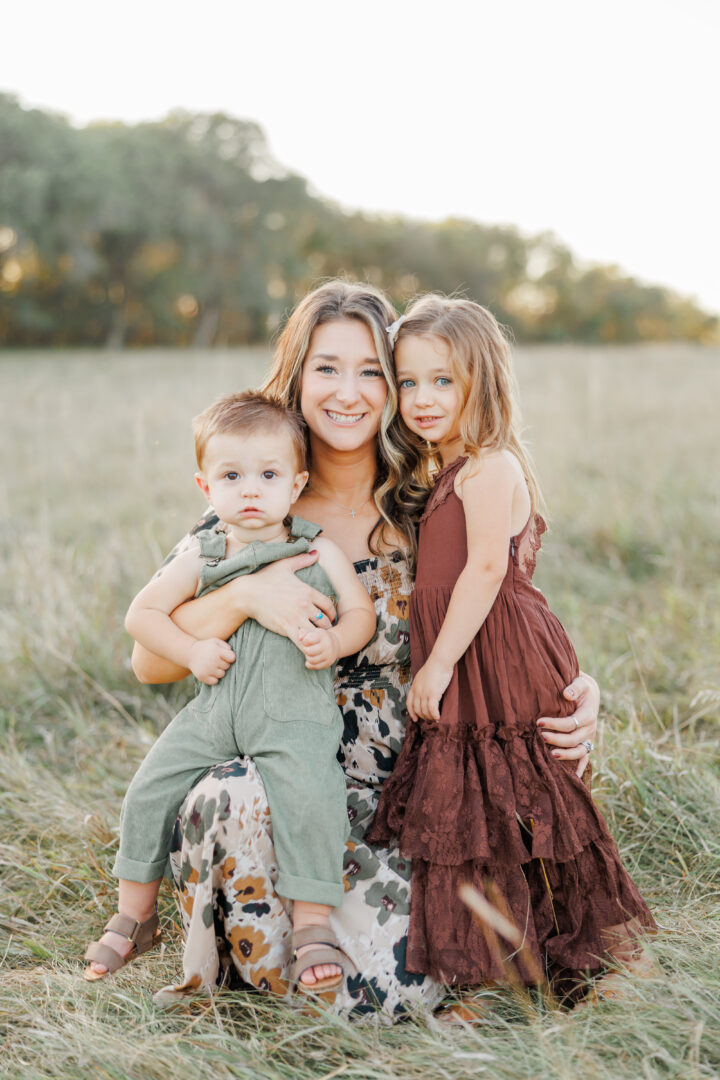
<point>353,512</point>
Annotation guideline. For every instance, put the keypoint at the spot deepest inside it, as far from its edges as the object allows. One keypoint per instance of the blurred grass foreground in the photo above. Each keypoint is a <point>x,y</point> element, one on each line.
<point>97,486</point>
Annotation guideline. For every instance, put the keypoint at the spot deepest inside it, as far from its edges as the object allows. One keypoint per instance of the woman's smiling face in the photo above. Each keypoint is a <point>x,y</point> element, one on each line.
<point>343,388</point>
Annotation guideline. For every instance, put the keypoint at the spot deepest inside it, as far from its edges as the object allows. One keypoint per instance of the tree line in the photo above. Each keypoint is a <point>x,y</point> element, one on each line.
<point>187,232</point>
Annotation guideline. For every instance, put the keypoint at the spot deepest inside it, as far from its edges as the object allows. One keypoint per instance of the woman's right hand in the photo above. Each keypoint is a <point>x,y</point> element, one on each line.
<point>280,601</point>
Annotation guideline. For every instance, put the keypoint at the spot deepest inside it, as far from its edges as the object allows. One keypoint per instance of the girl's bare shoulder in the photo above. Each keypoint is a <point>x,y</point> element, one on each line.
<point>489,464</point>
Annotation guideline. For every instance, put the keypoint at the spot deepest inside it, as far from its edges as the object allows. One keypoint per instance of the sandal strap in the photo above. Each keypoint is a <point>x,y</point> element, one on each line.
<point>106,955</point>
<point>316,957</point>
<point>142,934</point>
<point>314,935</point>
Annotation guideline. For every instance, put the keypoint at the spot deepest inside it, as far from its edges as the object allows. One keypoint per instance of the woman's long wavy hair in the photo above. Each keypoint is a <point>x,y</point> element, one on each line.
<point>402,481</point>
<point>482,366</point>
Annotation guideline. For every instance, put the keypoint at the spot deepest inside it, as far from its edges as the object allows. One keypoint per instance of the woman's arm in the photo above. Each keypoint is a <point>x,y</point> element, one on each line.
<point>273,596</point>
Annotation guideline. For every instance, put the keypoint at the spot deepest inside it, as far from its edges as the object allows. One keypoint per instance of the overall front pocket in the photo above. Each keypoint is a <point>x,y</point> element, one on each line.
<point>291,692</point>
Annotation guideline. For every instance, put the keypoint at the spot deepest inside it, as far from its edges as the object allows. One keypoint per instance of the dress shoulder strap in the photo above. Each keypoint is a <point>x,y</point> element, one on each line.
<point>525,546</point>
<point>443,487</point>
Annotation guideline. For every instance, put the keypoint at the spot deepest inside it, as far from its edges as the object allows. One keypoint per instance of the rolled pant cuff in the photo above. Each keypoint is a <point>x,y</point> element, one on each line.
<point>317,892</point>
<point>143,872</point>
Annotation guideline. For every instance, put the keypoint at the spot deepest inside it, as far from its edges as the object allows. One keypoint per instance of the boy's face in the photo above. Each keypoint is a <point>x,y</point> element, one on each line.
<point>251,480</point>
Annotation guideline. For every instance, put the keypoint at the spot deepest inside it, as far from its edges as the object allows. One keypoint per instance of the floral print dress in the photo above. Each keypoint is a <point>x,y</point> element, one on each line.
<point>237,928</point>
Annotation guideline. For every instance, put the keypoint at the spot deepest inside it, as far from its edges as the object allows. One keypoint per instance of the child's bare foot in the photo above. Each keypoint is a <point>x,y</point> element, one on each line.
<point>318,972</point>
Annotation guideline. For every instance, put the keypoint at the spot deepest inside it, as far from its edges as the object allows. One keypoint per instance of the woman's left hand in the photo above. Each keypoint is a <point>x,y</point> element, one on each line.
<point>567,733</point>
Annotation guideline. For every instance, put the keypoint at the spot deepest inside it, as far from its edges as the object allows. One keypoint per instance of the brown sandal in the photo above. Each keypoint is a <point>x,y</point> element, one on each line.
<point>331,954</point>
<point>143,935</point>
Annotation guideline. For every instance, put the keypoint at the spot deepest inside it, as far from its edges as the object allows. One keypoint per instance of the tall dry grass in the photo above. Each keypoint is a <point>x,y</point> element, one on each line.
<point>96,485</point>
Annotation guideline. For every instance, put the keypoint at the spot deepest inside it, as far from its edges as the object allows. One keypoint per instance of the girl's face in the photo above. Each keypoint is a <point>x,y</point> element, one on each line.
<point>343,389</point>
<point>428,392</point>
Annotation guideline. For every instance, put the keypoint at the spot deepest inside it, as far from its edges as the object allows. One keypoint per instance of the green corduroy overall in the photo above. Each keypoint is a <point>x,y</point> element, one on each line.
<point>271,707</point>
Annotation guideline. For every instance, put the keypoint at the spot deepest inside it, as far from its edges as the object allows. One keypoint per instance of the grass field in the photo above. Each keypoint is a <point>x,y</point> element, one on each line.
<point>97,484</point>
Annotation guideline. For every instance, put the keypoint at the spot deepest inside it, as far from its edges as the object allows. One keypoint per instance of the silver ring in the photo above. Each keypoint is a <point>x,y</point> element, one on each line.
<point>577,722</point>
<point>588,745</point>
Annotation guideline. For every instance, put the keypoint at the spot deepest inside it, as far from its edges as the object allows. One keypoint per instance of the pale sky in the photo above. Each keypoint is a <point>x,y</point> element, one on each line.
<point>597,121</point>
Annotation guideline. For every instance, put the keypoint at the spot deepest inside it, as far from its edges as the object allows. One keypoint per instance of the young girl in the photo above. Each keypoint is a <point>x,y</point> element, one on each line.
<point>476,794</point>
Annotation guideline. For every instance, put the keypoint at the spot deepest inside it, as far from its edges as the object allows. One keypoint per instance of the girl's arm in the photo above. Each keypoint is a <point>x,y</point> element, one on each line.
<point>273,596</point>
<point>356,613</point>
<point>487,496</point>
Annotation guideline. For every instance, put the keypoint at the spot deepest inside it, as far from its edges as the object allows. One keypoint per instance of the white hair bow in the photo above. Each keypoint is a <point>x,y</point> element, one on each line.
<point>393,328</point>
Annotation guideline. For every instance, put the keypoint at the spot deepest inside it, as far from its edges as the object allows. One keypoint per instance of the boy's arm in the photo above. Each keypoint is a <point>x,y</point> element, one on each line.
<point>148,621</point>
<point>356,614</point>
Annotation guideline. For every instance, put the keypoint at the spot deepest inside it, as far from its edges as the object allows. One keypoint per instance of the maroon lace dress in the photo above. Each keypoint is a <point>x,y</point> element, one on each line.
<point>477,794</point>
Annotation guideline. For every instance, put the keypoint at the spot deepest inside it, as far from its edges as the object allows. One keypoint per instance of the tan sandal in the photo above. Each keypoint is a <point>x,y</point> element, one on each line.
<point>143,935</point>
<point>617,985</point>
<point>331,954</point>
<point>468,1010</point>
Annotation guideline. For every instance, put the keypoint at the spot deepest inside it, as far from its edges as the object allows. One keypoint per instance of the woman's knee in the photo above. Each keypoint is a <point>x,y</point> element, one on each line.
<point>231,790</point>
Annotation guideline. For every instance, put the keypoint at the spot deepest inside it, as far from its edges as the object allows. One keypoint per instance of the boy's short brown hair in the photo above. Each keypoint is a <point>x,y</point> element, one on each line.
<point>244,414</point>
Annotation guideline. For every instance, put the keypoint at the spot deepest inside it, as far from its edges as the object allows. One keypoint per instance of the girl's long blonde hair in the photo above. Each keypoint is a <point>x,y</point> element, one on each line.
<point>481,363</point>
<point>402,481</point>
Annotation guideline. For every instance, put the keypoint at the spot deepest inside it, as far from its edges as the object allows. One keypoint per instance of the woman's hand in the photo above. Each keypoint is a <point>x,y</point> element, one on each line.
<point>567,733</point>
<point>280,601</point>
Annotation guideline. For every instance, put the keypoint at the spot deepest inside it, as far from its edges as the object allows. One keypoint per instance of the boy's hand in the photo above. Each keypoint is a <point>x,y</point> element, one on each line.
<point>209,659</point>
<point>319,646</point>
<point>428,686</point>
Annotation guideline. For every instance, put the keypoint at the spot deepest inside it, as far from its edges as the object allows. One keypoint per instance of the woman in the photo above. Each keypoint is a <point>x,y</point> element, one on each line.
<point>333,363</point>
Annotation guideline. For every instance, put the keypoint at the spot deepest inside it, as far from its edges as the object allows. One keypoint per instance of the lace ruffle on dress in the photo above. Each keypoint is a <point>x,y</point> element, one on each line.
<point>476,795</point>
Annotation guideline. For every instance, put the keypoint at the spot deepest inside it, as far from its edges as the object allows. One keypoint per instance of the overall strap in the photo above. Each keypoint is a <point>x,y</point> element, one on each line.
<point>299,527</point>
<point>212,545</point>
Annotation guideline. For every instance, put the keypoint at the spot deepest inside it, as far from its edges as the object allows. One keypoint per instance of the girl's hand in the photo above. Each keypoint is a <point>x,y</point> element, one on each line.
<point>562,731</point>
<point>319,646</point>
<point>209,660</point>
<point>428,686</point>
<point>280,601</point>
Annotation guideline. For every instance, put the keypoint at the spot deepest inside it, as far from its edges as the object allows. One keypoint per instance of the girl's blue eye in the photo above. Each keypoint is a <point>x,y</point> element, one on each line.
<point>442,380</point>
<point>405,384</point>
<point>324,367</point>
<point>373,371</point>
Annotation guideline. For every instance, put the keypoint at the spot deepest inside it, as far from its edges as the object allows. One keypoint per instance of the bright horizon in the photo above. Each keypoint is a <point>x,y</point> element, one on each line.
<point>594,123</point>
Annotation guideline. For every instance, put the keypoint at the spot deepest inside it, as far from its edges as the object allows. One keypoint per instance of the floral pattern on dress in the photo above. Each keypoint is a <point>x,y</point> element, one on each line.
<point>237,928</point>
